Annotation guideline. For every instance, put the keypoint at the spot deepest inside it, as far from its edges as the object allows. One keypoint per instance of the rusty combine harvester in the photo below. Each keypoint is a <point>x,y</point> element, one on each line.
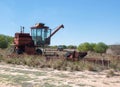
<point>40,38</point>
<point>31,44</point>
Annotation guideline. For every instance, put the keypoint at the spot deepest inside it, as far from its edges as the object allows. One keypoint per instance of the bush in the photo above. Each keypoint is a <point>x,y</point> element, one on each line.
<point>99,47</point>
<point>85,47</point>
<point>5,41</point>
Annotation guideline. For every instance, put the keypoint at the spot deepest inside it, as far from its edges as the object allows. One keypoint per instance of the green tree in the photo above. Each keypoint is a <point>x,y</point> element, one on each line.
<point>92,46</point>
<point>5,41</point>
<point>100,47</point>
<point>85,47</point>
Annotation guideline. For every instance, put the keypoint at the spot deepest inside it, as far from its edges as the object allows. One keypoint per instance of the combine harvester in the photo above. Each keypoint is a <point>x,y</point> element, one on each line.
<point>36,42</point>
<point>39,39</point>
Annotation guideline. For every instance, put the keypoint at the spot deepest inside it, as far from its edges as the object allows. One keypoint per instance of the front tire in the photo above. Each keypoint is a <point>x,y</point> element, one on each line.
<point>19,51</point>
<point>39,51</point>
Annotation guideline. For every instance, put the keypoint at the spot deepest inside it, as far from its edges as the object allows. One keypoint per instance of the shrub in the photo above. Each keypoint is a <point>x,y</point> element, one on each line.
<point>84,47</point>
<point>100,47</point>
<point>5,41</point>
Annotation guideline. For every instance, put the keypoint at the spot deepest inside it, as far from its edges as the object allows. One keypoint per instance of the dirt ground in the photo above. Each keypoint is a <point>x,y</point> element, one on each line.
<point>24,76</point>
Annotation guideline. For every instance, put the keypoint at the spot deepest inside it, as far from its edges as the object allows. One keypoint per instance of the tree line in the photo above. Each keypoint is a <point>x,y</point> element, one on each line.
<point>65,46</point>
<point>96,47</point>
<point>86,46</point>
<point>100,47</point>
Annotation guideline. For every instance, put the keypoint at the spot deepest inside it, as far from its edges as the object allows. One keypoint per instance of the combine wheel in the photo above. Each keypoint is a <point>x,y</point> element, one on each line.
<point>19,51</point>
<point>67,55</point>
<point>39,51</point>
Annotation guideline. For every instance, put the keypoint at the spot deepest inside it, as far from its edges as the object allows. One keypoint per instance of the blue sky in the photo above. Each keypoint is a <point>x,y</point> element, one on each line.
<point>84,20</point>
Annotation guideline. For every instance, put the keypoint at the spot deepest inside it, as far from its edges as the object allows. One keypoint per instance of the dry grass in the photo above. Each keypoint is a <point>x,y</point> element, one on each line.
<point>55,63</point>
<point>110,73</point>
<point>60,64</point>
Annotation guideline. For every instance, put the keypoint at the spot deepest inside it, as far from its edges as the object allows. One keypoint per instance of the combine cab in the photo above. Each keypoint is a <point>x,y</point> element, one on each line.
<point>39,38</point>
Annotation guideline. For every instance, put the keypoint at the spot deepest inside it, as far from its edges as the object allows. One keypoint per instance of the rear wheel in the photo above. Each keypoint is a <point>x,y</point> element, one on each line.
<point>39,51</point>
<point>67,55</point>
<point>19,51</point>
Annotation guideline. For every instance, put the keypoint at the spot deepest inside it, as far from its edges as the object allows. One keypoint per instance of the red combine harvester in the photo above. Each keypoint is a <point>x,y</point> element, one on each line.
<point>38,40</point>
<point>30,44</point>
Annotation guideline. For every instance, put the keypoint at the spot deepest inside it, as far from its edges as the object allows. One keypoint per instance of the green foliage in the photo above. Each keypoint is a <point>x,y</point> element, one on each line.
<point>5,41</point>
<point>92,46</point>
<point>85,47</point>
<point>99,47</point>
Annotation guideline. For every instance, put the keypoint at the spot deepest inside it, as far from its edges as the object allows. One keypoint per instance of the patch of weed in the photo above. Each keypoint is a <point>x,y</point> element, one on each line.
<point>48,85</point>
<point>62,75</point>
<point>81,84</point>
<point>26,84</point>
